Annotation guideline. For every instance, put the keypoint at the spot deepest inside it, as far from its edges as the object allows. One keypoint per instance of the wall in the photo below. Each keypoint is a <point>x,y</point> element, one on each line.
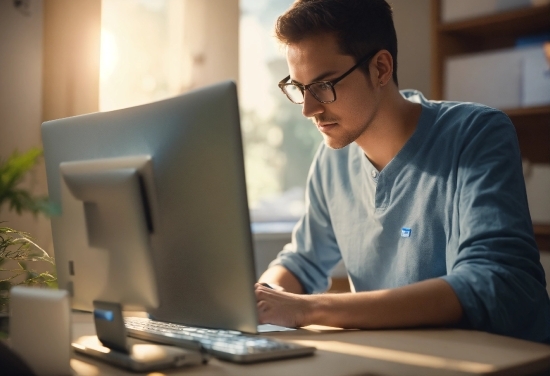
<point>412,23</point>
<point>211,41</point>
<point>20,76</point>
<point>21,33</point>
<point>71,58</point>
<point>49,61</point>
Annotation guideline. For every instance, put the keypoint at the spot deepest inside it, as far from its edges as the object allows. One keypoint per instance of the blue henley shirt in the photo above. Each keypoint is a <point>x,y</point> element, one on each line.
<point>451,204</point>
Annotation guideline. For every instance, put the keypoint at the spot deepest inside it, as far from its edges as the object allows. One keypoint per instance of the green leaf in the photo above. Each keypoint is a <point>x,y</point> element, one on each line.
<point>12,172</point>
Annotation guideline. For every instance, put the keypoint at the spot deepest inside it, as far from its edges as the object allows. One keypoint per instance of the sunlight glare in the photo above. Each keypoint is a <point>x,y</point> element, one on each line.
<point>109,55</point>
<point>255,78</point>
<point>403,357</point>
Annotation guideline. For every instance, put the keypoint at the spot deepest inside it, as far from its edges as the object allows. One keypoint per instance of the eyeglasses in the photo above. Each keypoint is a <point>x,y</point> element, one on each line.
<point>323,91</point>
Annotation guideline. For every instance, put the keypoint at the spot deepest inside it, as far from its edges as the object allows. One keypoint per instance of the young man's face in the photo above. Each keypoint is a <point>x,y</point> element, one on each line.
<point>345,120</point>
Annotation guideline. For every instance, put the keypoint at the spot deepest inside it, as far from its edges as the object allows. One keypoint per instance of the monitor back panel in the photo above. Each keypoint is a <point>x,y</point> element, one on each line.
<point>201,241</point>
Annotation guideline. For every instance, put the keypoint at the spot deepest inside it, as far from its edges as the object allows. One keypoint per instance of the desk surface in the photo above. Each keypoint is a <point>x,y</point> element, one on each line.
<point>354,352</point>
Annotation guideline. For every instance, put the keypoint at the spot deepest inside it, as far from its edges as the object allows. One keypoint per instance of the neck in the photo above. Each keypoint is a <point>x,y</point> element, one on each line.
<point>394,123</point>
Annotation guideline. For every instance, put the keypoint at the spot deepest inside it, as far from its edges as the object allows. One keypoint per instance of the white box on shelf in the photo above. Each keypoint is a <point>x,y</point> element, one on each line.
<point>536,78</point>
<point>456,10</point>
<point>493,78</point>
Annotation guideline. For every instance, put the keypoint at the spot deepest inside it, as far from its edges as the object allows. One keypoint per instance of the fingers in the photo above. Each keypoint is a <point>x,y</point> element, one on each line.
<point>266,304</point>
<point>263,307</point>
<point>262,292</point>
<point>269,314</point>
<point>277,307</point>
<point>272,286</point>
<point>259,290</point>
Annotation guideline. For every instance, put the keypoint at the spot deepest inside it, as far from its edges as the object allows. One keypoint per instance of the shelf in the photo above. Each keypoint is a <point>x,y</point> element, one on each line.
<point>524,21</point>
<point>533,131</point>
<point>541,229</point>
<point>481,34</point>
<point>528,111</point>
<point>542,236</point>
<point>492,32</point>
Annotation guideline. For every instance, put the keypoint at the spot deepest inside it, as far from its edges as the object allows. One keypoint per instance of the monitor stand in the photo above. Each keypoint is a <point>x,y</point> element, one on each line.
<point>113,346</point>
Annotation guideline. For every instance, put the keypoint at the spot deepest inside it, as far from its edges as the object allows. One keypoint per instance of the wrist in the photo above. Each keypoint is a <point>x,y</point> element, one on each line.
<point>313,309</point>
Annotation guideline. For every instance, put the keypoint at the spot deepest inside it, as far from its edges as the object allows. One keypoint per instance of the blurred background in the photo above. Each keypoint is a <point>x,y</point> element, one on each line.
<point>62,58</point>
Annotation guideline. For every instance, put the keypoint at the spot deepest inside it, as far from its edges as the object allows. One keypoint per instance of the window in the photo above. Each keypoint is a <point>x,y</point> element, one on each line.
<point>279,142</point>
<point>154,49</point>
<point>142,59</point>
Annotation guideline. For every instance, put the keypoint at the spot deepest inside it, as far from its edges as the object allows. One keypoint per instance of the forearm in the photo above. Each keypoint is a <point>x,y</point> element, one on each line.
<point>279,275</point>
<point>431,302</point>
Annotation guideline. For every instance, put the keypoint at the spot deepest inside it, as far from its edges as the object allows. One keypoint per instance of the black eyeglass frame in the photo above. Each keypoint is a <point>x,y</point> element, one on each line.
<point>331,84</point>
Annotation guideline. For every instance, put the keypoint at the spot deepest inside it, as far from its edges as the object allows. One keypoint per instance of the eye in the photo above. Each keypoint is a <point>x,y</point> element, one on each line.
<point>294,88</point>
<point>324,86</point>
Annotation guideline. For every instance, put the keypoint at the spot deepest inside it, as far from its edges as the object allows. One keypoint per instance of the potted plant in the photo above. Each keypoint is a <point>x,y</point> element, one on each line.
<point>18,252</point>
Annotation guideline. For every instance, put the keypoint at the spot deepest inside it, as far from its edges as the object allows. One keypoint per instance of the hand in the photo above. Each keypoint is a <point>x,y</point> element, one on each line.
<point>272,286</point>
<point>281,308</point>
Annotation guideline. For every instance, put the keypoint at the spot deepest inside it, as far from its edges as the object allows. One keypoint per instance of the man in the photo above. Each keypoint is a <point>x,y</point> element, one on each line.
<point>424,201</point>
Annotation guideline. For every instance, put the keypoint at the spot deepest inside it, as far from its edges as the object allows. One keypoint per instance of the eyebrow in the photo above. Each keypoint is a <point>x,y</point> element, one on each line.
<point>320,77</point>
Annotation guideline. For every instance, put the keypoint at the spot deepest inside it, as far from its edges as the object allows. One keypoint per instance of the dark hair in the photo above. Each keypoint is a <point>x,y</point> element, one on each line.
<point>360,26</point>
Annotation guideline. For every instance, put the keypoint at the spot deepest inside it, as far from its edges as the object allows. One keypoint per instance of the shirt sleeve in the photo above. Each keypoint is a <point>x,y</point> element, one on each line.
<point>313,252</point>
<point>496,271</point>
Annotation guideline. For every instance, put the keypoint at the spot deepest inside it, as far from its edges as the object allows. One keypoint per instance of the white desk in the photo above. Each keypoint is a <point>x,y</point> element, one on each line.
<point>384,352</point>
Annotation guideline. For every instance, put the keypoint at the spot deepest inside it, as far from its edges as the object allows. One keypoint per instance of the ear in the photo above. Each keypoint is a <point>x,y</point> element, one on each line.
<point>383,64</point>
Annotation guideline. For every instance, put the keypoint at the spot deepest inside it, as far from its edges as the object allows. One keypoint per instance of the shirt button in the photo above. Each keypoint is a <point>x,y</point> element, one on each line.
<point>374,174</point>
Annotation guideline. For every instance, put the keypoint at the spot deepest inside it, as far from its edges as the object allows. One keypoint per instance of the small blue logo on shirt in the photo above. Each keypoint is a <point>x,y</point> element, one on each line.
<point>406,232</point>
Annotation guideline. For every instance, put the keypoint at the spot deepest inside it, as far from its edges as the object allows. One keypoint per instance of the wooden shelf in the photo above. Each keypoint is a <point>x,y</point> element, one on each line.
<point>528,111</point>
<point>492,32</point>
<point>533,131</point>
<point>524,21</point>
<point>541,229</point>
<point>495,31</point>
<point>542,236</point>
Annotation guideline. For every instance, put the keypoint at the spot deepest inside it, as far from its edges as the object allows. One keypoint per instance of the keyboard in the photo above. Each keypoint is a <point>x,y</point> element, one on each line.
<point>228,345</point>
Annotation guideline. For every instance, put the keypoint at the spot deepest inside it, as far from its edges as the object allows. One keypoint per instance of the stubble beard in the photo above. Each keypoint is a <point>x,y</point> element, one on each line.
<point>348,137</point>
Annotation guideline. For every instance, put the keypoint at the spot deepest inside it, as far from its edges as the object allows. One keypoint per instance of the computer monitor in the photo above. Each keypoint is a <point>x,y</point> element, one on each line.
<point>163,186</point>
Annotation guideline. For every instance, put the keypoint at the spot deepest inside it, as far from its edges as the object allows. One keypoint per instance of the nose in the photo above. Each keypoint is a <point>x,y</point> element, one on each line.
<point>311,106</point>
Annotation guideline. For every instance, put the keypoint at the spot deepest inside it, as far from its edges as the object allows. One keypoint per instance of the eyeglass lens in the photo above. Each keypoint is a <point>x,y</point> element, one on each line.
<point>322,91</point>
